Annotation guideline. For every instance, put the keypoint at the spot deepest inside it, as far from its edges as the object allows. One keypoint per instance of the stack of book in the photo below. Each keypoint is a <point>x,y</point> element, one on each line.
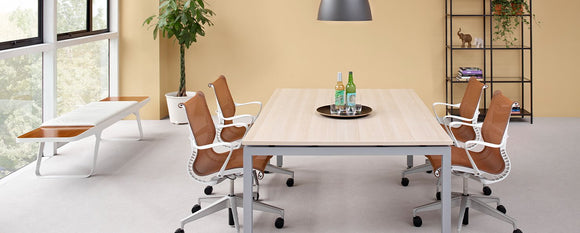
<point>465,73</point>
<point>516,109</point>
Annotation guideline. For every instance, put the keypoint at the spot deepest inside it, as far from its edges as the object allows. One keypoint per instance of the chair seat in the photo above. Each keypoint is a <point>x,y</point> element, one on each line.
<point>209,161</point>
<point>485,159</point>
<point>463,133</point>
<point>230,134</point>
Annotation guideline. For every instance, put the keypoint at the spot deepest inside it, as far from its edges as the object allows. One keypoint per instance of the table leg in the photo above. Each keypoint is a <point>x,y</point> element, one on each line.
<point>248,208</point>
<point>279,160</point>
<point>446,191</point>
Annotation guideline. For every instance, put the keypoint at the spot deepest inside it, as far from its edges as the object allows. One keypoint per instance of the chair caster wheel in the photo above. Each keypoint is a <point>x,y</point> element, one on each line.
<point>417,222</point>
<point>438,196</point>
<point>195,208</point>
<point>517,231</point>
<point>279,223</point>
<point>290,182</point>
<point>502,209</point>
<point>405,181</point>
<point>486,190</point>
<point>429,172</point>
<point>256,196</point>
<point>208,190</point>
<point>179,230</point>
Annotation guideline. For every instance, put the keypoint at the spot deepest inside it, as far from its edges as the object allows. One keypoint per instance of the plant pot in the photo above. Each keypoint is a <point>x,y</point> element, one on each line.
<point>177,115</point>
<point>518,8</point>
<point>498,9</point>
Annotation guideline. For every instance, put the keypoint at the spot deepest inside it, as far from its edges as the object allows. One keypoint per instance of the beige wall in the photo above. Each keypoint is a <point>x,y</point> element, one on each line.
<point>139,55</point>
<point>261,45</point>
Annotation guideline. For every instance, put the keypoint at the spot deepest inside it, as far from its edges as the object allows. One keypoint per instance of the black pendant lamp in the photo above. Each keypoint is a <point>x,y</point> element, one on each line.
<point>344,10</point>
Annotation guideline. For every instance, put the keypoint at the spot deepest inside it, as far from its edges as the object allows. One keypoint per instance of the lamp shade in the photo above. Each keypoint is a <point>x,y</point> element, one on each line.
<point>344,10</point>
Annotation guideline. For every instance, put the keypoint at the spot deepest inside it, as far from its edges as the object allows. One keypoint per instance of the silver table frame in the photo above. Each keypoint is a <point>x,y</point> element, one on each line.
<point>445,151</point>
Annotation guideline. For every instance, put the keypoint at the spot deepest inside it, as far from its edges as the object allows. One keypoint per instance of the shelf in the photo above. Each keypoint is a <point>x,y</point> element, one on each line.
<point>514,62</point>
<point>487,47</point>
<point>482,113</point>
<point>495,80</point>
<point>484,15</point>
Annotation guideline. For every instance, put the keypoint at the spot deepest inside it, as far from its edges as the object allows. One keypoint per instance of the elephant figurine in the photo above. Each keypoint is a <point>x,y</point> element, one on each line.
<point>465,38</point>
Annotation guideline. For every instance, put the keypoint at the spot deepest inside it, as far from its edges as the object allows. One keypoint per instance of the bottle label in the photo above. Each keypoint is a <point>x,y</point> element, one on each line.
<point>339,97</point>
<point>351,99</point>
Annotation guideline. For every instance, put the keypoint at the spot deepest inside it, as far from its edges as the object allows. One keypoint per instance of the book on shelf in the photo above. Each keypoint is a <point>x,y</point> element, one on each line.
<point>516,109</point>
<point>467,77</point>
<point>466,71</point>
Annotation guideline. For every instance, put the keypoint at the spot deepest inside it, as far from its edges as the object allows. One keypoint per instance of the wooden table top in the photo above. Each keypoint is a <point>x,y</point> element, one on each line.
<point>126,98</point>
<point>399,118</point>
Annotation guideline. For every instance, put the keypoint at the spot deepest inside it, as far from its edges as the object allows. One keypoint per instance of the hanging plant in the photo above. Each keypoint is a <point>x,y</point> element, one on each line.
<point>508,15</point>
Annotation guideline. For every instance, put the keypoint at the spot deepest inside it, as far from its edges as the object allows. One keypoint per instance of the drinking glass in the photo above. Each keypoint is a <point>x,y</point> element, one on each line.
<point>334,110</point>
<point>358,105</point>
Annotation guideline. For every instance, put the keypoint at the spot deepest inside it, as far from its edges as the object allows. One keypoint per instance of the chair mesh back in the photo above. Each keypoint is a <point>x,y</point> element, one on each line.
<point>493,130</point>
<point>497,118</point>
<point>471,98</point>
<point>200,119</point>
<point>224,97</point>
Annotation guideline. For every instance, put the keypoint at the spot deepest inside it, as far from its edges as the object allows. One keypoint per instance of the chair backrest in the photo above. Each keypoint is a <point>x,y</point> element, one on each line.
<point>495,161</point>
<point>470,102</point>
<point>203,130</point>
<point>494,127</point>
<point>225,101</point>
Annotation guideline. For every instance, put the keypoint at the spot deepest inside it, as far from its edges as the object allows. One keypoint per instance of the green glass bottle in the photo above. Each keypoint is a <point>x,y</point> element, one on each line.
<point>350,92</point>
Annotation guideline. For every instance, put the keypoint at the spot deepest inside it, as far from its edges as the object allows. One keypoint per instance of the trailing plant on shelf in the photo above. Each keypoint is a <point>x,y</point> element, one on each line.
<point>508,15</point>
<point>184,20</point>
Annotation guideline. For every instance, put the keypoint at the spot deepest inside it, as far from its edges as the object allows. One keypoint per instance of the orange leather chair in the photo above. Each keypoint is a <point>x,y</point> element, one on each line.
<point>210,167</point>
<point>483,160</point>
<point>468,112</point>
<point>226,113</point>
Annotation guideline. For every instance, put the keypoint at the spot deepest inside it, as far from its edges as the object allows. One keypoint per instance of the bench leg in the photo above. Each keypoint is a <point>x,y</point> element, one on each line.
<point>139,125</point>
<point>39,159</point>
<point>95,153</point>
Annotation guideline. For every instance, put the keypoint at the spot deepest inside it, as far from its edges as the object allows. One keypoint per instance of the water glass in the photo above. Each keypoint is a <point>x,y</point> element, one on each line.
<point>350,110</point>
<point>334,110</point>
<point>358,108</point>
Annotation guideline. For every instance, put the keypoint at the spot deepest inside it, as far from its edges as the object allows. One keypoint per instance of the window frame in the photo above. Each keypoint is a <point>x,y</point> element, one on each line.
<point>89,24</point>
<point>31,40</point>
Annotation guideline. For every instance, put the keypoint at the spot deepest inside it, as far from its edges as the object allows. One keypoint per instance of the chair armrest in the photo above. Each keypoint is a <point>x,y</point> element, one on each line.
<point>483,143</point>
<point>213,145</point>
<point>439,118</point>
<point>446,104</point>
<point>457,118</point>
<point>460,123</point>
<point>239,117</point>
<point>252,102</point>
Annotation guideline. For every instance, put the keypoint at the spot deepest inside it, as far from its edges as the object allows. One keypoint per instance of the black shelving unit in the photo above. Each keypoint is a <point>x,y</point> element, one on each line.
<point>491,50</point>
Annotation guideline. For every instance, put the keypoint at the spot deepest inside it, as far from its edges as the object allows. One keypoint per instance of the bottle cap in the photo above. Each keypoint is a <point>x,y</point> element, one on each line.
<point>339,77</point>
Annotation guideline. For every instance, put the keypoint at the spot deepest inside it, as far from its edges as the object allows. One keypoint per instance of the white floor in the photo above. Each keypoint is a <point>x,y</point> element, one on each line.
<point>143,186</point>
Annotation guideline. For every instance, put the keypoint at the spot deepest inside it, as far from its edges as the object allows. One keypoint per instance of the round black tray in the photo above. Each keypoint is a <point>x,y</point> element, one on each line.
<point>325,111</point>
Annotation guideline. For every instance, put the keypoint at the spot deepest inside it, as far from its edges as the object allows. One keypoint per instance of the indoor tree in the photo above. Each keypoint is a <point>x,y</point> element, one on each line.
<point>184,20</point>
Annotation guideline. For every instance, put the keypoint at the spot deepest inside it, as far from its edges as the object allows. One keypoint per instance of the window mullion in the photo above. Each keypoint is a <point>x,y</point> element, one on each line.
<point>49,62</point>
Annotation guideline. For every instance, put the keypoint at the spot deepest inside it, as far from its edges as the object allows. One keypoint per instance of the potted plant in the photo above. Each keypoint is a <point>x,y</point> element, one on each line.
<point>507,15</point>
<point>184,20</point>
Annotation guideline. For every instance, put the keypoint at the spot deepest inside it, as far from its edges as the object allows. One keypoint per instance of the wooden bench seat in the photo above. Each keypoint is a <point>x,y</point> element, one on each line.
<point>87,120</point>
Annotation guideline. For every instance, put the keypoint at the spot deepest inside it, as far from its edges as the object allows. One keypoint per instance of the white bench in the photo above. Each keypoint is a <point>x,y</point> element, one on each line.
<point>88,120</point>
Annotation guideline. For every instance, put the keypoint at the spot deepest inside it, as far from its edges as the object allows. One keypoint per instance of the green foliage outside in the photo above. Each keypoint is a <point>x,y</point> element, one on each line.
<point>82,77</point>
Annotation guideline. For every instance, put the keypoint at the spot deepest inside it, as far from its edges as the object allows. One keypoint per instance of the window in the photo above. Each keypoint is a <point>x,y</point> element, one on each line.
<point>82,75</point>
<point>40,82</point>
<point>20,23</point>
<point>78,18</point>
<point>20,109</point>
